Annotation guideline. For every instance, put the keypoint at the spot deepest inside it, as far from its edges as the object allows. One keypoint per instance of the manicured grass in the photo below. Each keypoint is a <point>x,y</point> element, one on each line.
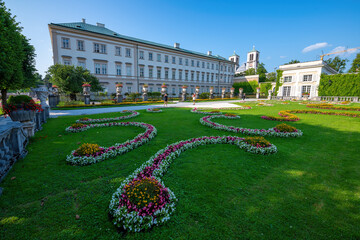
<point>310,189</point>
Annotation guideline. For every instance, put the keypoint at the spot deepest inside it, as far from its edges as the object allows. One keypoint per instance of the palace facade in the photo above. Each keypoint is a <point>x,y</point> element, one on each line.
<point>114,58</point>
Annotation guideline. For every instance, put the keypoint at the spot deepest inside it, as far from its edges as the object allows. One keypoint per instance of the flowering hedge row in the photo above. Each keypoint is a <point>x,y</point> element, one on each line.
<point>98,120</point>
<point>206,121</point>
<point>118,149</point>
<point>153,110</point>
<point>330,106</point>
<point>129,216</point>
<point>288,116</point>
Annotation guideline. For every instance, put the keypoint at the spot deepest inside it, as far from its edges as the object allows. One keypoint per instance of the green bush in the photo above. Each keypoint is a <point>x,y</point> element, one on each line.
<point>264,88</point>
<point>15,100</point>
<point>204,95</point>
<point>249,87</point>
<point>340,85</point>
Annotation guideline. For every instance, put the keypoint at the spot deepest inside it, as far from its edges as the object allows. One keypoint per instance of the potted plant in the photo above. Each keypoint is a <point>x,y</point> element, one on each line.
<point>21,108</point>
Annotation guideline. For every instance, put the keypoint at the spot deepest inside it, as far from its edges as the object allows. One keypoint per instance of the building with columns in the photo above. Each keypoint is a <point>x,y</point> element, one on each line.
<point>115,58</point>
<point>300,79</point>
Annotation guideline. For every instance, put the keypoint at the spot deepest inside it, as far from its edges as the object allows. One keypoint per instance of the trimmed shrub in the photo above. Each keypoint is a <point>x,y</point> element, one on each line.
<point>249,87</point>
<point>340,85</point>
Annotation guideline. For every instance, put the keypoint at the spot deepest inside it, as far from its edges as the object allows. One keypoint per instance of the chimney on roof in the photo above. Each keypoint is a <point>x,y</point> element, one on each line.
<point>176,45</point>
<point>100,24</point>
<point>83,20</point>
<point>209,53</point>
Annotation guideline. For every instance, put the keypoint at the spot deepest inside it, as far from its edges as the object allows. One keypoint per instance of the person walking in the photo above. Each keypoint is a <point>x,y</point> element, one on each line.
<point>194,98</point>
<point>244,96</point>
<point>165,100</point>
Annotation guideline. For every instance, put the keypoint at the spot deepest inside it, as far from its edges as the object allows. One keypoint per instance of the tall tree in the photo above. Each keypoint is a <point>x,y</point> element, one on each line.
<point>17,56</point>
<point>250,71</point>
<point>271,77</point>
<point>292,61</point>
<point>261,70</point>
<point>337,63</point>
<point>355,66</point>
<point>69,79</point>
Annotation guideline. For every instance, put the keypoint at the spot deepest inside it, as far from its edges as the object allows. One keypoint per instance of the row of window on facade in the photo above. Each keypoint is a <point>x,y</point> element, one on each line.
<point>175,90</point>
<point>101,48</point>
<point>304,89</point>
<point>101,69</point>
<point>306,78</point>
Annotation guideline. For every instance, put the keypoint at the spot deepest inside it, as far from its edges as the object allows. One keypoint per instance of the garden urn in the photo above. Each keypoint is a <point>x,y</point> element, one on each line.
<point>119,97</point>
<point>145,91</point>
<point>232,92</point>
<point>197,90</point>
<point>86,92</point>
<point>241,92</point>
<point>257,92</point>
<point>211,92</point>
<point>42,93</point>
<point>223,92</point>
<point>163,89</point>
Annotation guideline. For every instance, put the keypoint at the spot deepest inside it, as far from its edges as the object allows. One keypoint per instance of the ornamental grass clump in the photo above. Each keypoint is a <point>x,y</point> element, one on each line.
<point>284,128</point>
<point>89,149</point>
<point>257,141</point>
<point>145,196</point>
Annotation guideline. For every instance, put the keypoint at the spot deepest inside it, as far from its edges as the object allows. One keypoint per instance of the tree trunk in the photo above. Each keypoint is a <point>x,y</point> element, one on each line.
<point>3,96</point>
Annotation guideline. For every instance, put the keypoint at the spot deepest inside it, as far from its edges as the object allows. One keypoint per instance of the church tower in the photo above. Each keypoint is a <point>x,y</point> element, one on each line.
<point>235,58</point>
<point>252,59</point>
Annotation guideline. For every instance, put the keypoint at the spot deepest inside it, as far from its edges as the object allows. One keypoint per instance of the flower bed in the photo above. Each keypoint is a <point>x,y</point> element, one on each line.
<point>77,158</point>
<point>200,111</point>
<point>288,116</point>
<point>263,104</point>
<point>98,120</point>
<point>330,106</point>
<point>248,131</point>
<point>157,206</point>
<point>77,127</point>
<point>153,110</point>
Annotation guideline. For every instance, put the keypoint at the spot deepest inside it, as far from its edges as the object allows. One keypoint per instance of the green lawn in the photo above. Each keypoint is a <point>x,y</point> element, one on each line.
<point>310,189</point>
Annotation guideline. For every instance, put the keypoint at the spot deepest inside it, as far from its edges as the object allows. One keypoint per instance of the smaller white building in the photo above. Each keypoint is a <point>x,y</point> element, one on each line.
<point>302,79</point>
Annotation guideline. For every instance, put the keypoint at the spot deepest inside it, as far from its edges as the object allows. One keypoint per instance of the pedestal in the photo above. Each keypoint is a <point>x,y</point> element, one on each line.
<point>211,95</point>
<point>183,97</point>
<point>87,99</point>
<point>145,97</point>
<point>53,101</point>
<point>223,95</point>
<point>119,98</point>
<point>47,112</point>
<point>231,95</point>
<point>38,121</point>
<point>29,128</point>
<point>257,95</point>
<point>43,116</point>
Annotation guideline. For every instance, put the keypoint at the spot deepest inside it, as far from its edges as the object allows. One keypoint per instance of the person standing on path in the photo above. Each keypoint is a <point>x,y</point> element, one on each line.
<point>194,98</point>
<point>244,96</point>
<point>165,100</point>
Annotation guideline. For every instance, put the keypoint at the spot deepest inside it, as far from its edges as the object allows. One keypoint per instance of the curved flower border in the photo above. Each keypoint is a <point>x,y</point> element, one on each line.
<point>98,120</point>
<point>151,110</point>
<point>118,148</point>
<point>273,132</point>
<point>200,110</point>
<point>288,116</point>
<point>155,167</point>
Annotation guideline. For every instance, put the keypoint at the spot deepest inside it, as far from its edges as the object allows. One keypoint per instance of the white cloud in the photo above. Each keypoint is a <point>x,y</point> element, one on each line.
<point>282,56</point>
<point>315,46</point>
<point>343,54</point>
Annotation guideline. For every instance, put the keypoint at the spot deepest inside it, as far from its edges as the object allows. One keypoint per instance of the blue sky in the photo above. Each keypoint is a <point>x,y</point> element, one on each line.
<point>280,30</point>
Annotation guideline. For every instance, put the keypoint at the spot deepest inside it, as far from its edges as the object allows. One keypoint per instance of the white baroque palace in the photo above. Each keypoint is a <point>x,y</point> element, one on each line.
<point>303,79</point>
<point>115,58</point>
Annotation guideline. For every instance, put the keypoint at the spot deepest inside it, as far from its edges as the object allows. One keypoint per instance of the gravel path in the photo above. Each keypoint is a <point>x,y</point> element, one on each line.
<point>215,104</point>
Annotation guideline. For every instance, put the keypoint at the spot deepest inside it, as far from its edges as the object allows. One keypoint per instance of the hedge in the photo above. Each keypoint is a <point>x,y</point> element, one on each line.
<point>264,88</point>
<point>340,85</point>
<point>249,87</point>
